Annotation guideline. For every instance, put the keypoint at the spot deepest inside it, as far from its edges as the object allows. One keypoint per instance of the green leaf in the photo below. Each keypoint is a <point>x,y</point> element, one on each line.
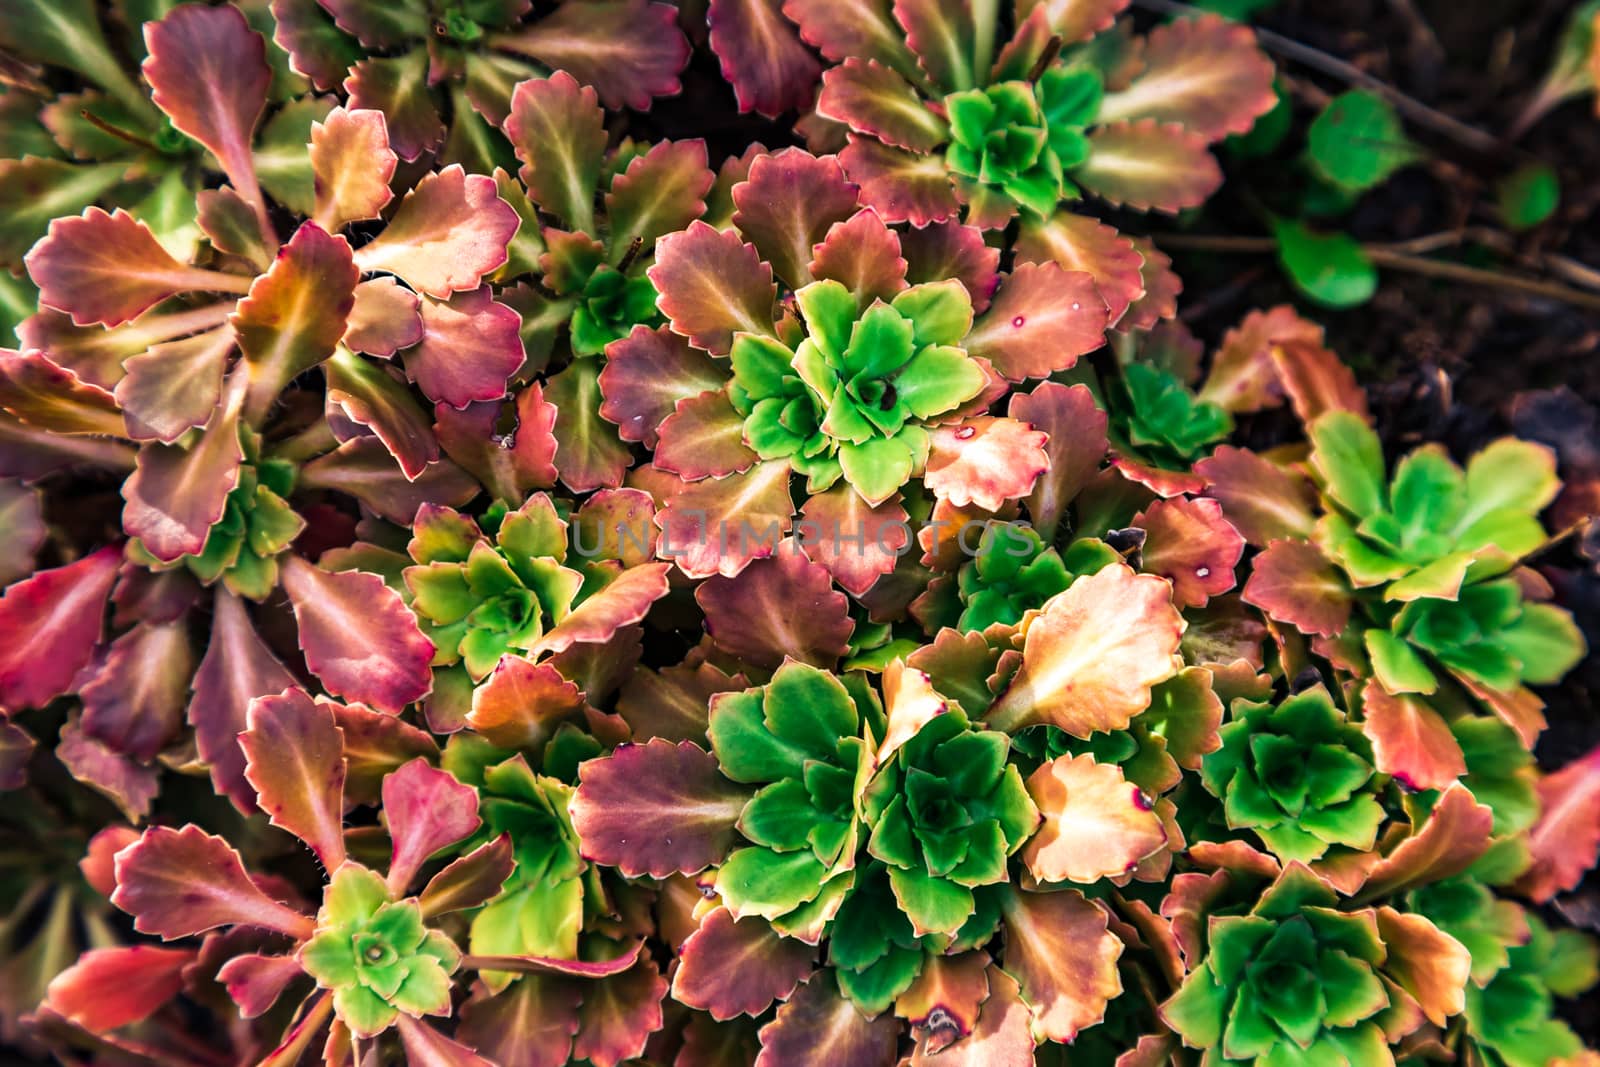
<point>758,881</point>
<point>1528,195</point>
<point>1349,457</point>
<point>1331,269</point>
<point>1398,668</point>
<point>933,905</point>
<point>1358,140</point>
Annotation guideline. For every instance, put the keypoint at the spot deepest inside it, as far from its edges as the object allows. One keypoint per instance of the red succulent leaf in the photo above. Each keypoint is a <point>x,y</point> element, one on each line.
<point>787,204</point>
<point>208,72</point>
<point>317,48</point>
<point>1149,164</point>
<point>732,967</point>
<point>375,745</point>
<point>619,1013</point>
<point>54,399</point>
<point>872,99</point>
<point>531,1023</point>
<point>1075,20</point>
<point>177,493</point>
<point>950,250</point>
<point>1094,823</point>
<point>377,398</point>
<point>173,388</point>
<point>353,164</point>
<point>817,1025</point>
<point>588,969</point>
<point>232,226</point>
<point>133,702</point>
<point>943,1003</point>
<point>359,637</point>
<point>1316,380</point>
<point>294,757</point>
<point>558,131</point>
<point>1043,318</point>
<point>857,544</point>
<point>762,58</point>
<point>1455,834</point>
<point>384,318</point>
<point>520,704</point>
<point>1244,376</point>
<point>110,269</point>
<point>426,1047</point>
<point>903,186</point>
<point>295,313</point>
<point>785,606</point>
<point>863,255</point>
<point>1428,963</point>
<point>645,376</point>
<point>1566,839</point>
<point>1190,542</point>
<point>98,864</point>
<point>1294,583</point>
<point>941,34</point>
<point>50,623</point>
<point>671,703</point>
<point>1264,502</point>
<point>1205,73</point>
<point>1410,740</point>
<point>112,987</point>
<point>1076,430</point>
<point>238,667</point>
<point>717,526</point>
<point>589,454</point>
<point>427,810</point>
<point>363,468</point>
<point>630,50</point>
<point>129,784</point>
<point>985,461</point>
<point>510,466</point>
<point>1090,658</point>
<point>1162,287</point>
<point>398,87</point>
<point>621,603</point>
<point>255,981</point>
<point>703,438</point>
<point>472,880</point>
<point>840,29</point>
<point>470,348</point>
<point>660,192</point>
<point>1065,959</point>
<point>450,231</point>
<point>178,883</point>
<point>656,808</point>
<point>1082,242</point>
<point>712,286</point>
<point>1000,1037</point>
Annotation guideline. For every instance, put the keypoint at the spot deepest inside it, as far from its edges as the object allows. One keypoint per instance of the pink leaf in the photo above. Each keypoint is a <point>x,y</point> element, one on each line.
<point>1058,947</point>
<point>1082,242</point>
<point>558,131</point>
<point>363,468</point>
<point>353,163</point>
<point>448,232</point>
<point>840,29</point>
<point>1263,501</point>
<point>1190,543</point>
<point>376,397</point>
<point>1204,73</point>
<point>734,967</point>
<point>864,255</point>
<point>255,981</point>
<point>985,461</point>
<point>112,987</point>
<point>208,71</point>
<point>177,883</point>
<point>472,880</point>
<point>49,625</point>
<point>661,192</point>
<point>237,668</point>
<point>785,606</point>
<point>903,186</point>
<point>52,398</point>
<point>134,700</point>
<point>712,285</point>
<point>359,637</point>
<point>950,250</point>
<point>719,525</point>
<point>1148,165</point>
<point>1243,375</point>
<point>398,87</point>
<point>511,466</point>
<point>656,809</point>
<point>622,602</point>
<point>703,438</point>
<point>1043,318</point>
<point>872,99</point>
<point>631,51</point>
<point>646,374</point>
<point>856,543</point>
<point>131,785</point>
<point>384,318</point>
<point>1076,428</point>
<point>1566,839</point>
<point>469,348</point>
<point>426,1047</point>
<point>1293,582</point>
<point>786,205</point>
<point>619,1013</point>
<point>172,388</point>
<point>817,1025</point>
<point>294,757</point>
<point>762,58</point>
<point>177,494</point>
<point>427,810</point>
<point>1075,20</point>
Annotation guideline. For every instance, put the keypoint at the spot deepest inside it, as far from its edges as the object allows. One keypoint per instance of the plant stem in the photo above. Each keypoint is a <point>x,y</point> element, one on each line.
<point>1385,256</point>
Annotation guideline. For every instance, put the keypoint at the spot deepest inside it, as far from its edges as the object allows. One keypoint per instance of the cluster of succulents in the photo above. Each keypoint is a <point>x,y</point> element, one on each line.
<point>797,608</point>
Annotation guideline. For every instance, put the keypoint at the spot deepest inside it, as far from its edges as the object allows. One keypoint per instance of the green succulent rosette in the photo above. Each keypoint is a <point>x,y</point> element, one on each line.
<point>539,910</point>
<point>1433,525</point>
<point>1161,420</point>
<point>257,526</point>
<point>1468,911</point>
<point>1012,144</point>
<point>1011,572</point>
<point>946,812</point>
<point>1299,775</point>
<point>856,394</point>
<point>800,738</point>
<point>478,599</point>
<point>375,954</point>
<point>1489,634</point>
<point>1293,982</point>
<point>1510,1019</point>
<point>610,304</point>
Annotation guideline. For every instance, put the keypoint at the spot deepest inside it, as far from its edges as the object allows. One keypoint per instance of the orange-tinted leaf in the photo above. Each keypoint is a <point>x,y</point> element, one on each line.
<point>1293,582</point>
<point>1059,950</point>
<point>448,232</point>
<point>1148,165</point>
<point>1410,740</point>
<point>738,967</point>
<point>1428,963</point>
<point>112,987</point>
<point>294,757</point>
<point>1566,839</point>
<point>353,162</point>
<point>985,461</point>
<point>787,204</point>
<point>817,1025</point>
<point>712,285</point>
<point>1190,543</point>
<point>785,606</point>
<point>1043,318</point>
<point>1095,824</point>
